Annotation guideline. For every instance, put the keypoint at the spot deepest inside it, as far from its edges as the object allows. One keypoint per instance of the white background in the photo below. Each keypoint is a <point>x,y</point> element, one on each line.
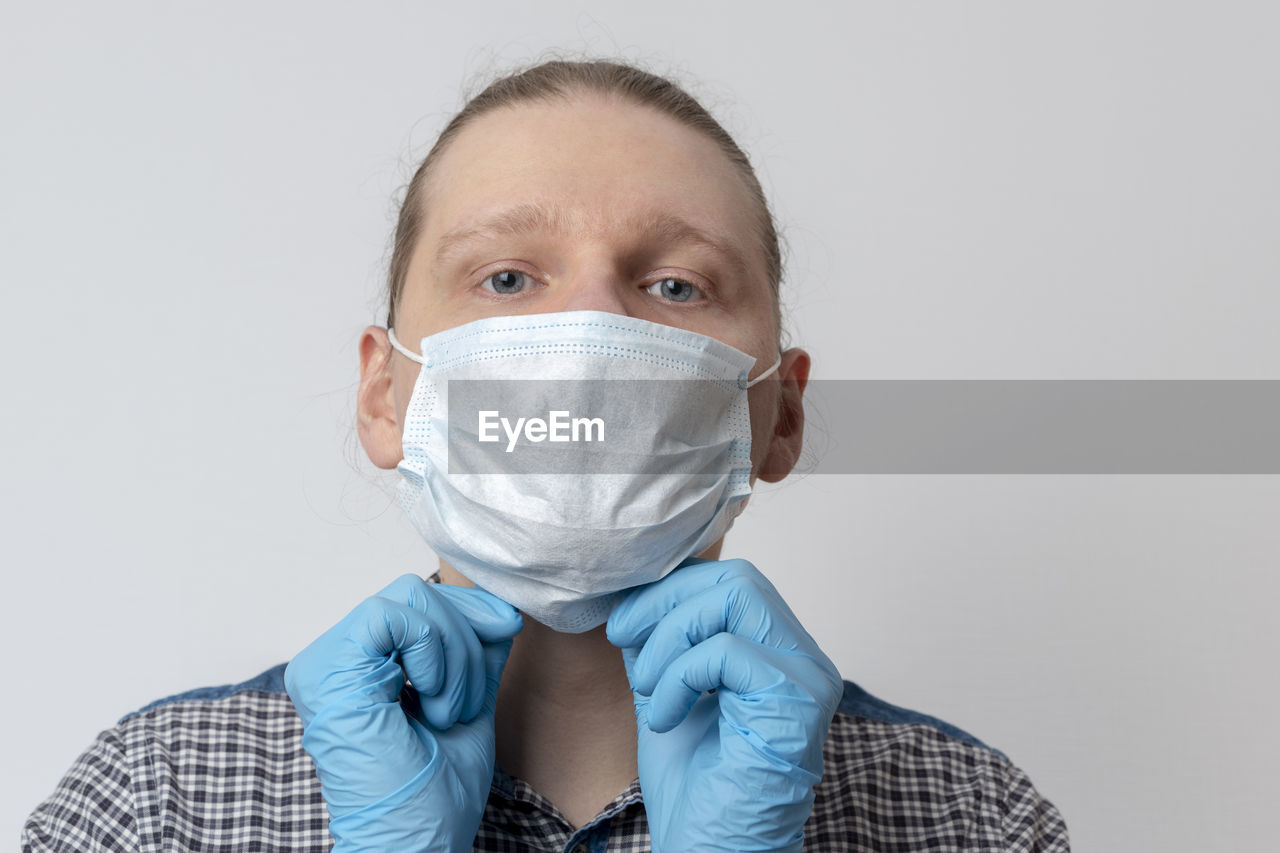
<point>196,203</point>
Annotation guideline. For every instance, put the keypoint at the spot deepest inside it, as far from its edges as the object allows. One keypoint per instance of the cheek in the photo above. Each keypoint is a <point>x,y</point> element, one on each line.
<point>763,401</point>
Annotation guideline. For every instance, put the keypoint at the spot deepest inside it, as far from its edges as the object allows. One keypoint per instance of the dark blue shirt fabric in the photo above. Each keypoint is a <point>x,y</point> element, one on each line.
<point>223,769</point>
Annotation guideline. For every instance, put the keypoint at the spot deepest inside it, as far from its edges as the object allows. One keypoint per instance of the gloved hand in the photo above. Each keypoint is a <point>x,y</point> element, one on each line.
<point>411,776</point>
<point>733,769</point>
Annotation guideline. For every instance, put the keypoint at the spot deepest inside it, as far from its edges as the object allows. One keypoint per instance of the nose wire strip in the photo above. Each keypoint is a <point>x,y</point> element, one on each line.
<point>412,356</point>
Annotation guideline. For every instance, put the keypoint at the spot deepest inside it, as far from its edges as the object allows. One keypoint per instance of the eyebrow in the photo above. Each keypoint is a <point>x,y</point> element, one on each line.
<point>534,218</point>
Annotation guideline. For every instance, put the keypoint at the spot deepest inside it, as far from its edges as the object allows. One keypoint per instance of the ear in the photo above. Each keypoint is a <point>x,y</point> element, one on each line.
<point>788,429</point>
<point>377,420</point>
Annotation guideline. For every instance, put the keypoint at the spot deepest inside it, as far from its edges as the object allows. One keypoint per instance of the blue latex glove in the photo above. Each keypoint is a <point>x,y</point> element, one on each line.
<point>733,769</point>
<point>414,775</point>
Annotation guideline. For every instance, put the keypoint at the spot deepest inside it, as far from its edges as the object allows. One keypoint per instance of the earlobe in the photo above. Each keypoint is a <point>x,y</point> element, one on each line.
<point>377,420</point>
<point>788,431</point>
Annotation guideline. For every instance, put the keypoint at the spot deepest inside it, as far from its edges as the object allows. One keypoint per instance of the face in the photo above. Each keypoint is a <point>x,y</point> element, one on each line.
<point>587,204</point>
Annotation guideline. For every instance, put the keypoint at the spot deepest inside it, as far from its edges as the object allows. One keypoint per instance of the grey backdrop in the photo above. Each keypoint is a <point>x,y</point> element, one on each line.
<point>196,201</point>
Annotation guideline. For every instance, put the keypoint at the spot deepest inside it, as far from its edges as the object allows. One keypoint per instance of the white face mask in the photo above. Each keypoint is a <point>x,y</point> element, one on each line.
<point>610,480</point>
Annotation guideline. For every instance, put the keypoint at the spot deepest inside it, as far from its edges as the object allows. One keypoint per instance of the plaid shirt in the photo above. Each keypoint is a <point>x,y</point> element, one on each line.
<point>223,769</point>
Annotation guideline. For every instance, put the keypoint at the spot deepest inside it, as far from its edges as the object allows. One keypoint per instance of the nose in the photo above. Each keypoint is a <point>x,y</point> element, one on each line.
<point>598,290</point>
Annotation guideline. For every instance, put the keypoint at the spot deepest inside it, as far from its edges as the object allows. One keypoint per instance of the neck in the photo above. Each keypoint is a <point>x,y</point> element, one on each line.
<point>565,722</point>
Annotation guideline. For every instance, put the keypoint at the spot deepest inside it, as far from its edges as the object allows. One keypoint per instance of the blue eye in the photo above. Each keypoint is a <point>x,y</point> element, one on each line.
<point>675,290</point>
<point>507,281</point>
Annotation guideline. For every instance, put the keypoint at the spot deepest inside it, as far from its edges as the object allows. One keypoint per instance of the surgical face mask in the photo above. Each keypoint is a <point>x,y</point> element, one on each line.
<point>556,460</point>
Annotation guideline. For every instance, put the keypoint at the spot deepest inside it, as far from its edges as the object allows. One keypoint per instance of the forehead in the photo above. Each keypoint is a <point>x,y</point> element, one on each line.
<point>601,163</point>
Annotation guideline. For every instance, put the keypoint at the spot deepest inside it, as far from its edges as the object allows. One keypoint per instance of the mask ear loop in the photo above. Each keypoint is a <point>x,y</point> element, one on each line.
<point>742,380</point>
<point>404,351</point>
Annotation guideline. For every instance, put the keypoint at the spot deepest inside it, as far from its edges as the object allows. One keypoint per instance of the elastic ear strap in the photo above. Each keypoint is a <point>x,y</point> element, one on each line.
<point>400,348</point>
<point>776,365</point>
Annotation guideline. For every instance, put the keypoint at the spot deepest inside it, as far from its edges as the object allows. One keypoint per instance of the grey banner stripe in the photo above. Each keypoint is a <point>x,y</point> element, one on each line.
<point>892,426</point>
<point>1043,427</point>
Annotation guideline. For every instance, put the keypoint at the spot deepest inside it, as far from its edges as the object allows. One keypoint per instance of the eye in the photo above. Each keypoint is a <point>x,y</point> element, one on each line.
<point>675,290</point>
<point>505,282</point>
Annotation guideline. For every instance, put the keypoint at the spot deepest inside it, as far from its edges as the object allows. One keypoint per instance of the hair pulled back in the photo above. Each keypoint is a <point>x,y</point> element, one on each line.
<point>559,79</point>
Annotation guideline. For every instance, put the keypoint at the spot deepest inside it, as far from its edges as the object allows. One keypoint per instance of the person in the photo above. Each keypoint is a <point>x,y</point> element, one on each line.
<point>583,672</point>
